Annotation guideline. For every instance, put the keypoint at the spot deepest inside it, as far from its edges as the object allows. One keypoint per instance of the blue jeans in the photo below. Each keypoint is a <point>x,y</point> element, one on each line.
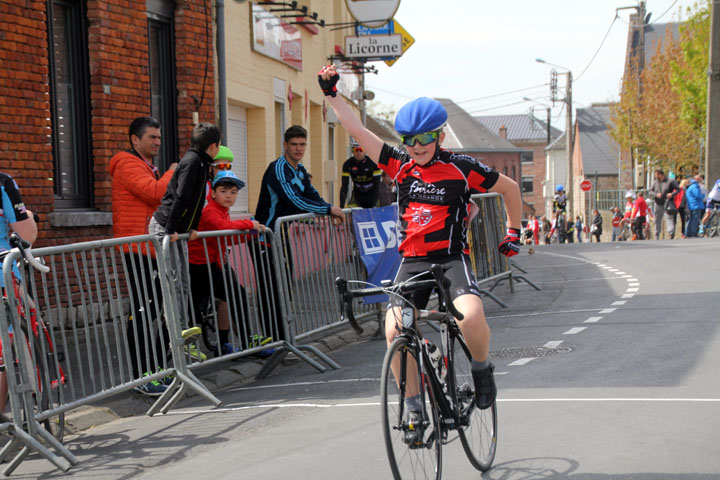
<point>691,229</point>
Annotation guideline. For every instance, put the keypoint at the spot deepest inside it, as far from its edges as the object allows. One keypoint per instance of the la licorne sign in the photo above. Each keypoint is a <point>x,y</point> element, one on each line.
<point>371,46</point>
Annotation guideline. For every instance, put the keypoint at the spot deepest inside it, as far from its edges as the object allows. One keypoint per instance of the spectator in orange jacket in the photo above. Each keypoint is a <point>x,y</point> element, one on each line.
<point>222,278</point>
<point>137,188</point>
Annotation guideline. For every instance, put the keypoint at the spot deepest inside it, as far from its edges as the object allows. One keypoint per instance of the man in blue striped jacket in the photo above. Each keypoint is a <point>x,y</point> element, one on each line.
<point>285,190</point>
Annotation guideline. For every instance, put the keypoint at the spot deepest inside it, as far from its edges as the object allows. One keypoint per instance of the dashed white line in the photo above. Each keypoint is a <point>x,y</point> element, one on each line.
<point>633,284</point>
<point>521,361</point>
<point>627,276</point>
<point>620,273</point>
<point>553,344</point>
<point>592,320</point>
<point>633,289</point>
<point>632,279</point>
<point>574,330</point>
<point>619,302</point>
<point>607,310</point>
<point>628,295</point>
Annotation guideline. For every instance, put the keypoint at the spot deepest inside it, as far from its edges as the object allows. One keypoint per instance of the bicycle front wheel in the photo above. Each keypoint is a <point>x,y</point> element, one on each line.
<point>50,377</point>
<point>412,454</point>
<point>478,429</point>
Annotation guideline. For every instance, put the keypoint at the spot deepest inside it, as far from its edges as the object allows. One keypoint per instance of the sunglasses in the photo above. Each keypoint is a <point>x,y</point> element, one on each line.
<point>222,166</point>
<point>357,149</point>
<point>422,138</point>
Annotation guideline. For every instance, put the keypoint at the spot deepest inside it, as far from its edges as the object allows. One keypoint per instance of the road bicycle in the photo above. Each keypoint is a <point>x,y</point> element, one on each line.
<point>46,374</point>
<point>626,231</point>
<point>712,228</point>
<point>447,392</point>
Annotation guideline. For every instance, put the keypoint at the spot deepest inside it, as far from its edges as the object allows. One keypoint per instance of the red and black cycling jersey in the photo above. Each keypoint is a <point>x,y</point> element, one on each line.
<point>433,199</point>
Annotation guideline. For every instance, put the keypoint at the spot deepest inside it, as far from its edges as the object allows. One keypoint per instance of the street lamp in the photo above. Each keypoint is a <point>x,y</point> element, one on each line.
<point>547,109</point>
<point>568,129</point>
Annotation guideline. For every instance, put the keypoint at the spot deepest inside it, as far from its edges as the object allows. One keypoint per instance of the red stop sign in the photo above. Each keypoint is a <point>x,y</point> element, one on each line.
<point>586,185</point>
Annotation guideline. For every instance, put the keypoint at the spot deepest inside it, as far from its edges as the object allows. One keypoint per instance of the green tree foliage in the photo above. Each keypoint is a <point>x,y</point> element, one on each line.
<point>661,114</point>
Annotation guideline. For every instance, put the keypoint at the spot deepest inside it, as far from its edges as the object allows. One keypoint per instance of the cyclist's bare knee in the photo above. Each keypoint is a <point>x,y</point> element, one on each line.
<point>393,317</point>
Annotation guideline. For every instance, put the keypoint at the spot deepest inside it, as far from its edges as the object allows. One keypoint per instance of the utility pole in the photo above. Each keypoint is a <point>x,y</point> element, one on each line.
<point>568,140</point>
<point>712,128</point>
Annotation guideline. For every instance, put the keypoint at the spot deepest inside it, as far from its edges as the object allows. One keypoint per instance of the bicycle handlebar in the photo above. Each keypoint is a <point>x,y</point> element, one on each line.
<point>26,251</point>
<point>439,280</point>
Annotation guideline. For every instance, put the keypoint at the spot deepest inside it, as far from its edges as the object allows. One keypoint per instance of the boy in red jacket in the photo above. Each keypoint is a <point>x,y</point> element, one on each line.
<point>216,216</point>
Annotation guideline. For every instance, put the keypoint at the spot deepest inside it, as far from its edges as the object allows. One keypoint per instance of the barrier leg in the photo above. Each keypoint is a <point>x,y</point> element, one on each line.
<point>282,351</point>
<point>526,280</point>
<point>330,362</point>
<point>20,436</point>
<point>492,297</point>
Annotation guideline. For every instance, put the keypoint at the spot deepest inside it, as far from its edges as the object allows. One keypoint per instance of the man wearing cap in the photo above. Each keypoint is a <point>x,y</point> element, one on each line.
<point>434,188</point>
<point>137,188</point>
<point>365,176</point>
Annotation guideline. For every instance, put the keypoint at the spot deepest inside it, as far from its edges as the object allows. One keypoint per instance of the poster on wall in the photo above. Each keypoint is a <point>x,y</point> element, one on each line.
<point>275,38</point>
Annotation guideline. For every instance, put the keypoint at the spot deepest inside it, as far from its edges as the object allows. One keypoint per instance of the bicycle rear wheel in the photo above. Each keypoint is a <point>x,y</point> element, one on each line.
<point>208,311</point>
<point>478,429</point>
<point>417,462</point>
<point>49,375</point>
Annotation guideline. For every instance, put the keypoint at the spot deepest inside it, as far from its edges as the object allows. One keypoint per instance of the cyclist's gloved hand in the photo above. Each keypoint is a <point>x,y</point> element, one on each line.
<point>328,86</point>
<point>511,243</point>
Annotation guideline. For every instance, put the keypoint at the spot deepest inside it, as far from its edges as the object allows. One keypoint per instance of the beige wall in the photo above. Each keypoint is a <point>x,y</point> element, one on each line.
<point>251,81</point>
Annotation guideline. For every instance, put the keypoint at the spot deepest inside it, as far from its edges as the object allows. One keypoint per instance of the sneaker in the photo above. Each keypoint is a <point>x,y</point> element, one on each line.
<point>194,352</point>
<point>190,333</point>
<point>415,429</point>
<point>485,390</point>
<point>152,389</point>
<point>701,230</point>
<point>228,348</point>
<point>265,353</point>
<point>259,340</point>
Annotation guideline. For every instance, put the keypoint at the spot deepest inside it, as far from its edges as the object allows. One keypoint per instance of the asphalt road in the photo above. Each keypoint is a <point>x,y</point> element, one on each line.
<point>610,372</point>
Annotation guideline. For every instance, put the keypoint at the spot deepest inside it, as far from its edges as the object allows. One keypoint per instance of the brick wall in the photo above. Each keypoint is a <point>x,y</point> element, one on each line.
<point>118,61</point>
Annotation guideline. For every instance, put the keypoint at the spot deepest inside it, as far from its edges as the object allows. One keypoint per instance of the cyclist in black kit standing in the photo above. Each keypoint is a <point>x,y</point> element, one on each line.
<point>365,176</point>
<point>434,188</point>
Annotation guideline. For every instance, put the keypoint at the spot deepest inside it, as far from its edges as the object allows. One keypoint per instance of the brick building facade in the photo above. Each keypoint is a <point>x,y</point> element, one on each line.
<point>74,75</point>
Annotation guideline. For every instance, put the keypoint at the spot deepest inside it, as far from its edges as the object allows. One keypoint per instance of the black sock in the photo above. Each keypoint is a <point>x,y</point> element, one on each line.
<point>224,336</point>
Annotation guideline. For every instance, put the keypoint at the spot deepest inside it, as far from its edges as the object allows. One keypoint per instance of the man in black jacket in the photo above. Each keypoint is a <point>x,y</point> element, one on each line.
<point>662,189</point>
<point>181,206</point>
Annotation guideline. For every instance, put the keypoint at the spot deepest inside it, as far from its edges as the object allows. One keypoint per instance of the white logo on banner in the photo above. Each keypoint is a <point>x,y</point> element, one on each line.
<point>370,238</point>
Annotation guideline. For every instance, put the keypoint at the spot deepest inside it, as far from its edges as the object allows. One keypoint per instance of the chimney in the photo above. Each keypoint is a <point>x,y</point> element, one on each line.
<point>503,132</point>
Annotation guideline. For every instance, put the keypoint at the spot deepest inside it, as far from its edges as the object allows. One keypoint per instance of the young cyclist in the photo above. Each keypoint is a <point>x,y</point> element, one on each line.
<point>216,216</point>
<point>434,188</point>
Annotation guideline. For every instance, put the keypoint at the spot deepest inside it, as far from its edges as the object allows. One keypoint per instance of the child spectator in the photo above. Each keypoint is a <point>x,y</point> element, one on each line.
<point>216,216</point>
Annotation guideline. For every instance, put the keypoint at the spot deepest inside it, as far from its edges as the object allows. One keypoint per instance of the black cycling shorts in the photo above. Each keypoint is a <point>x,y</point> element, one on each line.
<point>457,268</point>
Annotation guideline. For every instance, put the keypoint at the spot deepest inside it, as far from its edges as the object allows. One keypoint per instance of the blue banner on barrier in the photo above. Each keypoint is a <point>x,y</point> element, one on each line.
<point>376,237</point>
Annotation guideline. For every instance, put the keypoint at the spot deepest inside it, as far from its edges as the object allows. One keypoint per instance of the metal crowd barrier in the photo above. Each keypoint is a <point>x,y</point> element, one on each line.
<point>254,305</point>
<point>82,348</point>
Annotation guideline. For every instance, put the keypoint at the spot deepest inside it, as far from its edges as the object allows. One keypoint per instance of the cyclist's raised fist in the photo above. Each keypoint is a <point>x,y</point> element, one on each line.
<point>511,243</point>
<point>328,78</point>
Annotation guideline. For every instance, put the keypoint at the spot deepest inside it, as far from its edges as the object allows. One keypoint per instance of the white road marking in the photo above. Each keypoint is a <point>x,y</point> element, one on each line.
<point>628,295</point>
<point>592,320</point>
<point>607,310</point>
<point>632,279</point>
<point>627,276</point>
<point>579,280</point>
<point>619,302</point>
<point>521,361</point>
<point>620,273</point>
<point>553,344</point>
<point>633,284</point>
<point>613,270</point>
<point>632,289</point>
<point>574,330</point>
<point>533,314</point>
<point>500,400</point>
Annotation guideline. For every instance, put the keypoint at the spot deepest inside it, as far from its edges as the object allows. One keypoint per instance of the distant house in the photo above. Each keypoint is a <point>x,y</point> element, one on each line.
<point>465,134</point>
<point>526,131</point>
<point>596,156</point>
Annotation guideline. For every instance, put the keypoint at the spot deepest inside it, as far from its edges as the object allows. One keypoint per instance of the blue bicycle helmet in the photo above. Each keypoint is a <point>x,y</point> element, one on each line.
<point>559,187</point>
<point>421,115</point>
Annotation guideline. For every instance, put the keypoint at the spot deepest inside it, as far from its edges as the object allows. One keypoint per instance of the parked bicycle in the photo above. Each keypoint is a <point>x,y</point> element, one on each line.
<point>443,376</point>
<point>712,226</point>
<point>45,373</point>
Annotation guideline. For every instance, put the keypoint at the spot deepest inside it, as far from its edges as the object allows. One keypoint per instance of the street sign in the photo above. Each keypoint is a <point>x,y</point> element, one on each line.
<point>374,13</point>
<point>586,185</point>
<point>373,46</point>
<point>407,40</point>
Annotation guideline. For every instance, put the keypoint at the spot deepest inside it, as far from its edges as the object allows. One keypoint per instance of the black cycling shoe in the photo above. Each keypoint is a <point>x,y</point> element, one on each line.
<point>414,433</point>
<point>485,390</point>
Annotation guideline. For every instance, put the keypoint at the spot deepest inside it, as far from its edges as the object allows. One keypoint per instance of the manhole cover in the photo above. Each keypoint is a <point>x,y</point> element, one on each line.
<point>524,352</point>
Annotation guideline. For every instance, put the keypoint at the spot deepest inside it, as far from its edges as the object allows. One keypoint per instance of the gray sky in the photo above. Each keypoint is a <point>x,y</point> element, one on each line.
<point>477,51</point>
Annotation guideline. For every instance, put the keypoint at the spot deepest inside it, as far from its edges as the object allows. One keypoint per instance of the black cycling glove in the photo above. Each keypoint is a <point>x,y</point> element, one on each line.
<point>328,86</point>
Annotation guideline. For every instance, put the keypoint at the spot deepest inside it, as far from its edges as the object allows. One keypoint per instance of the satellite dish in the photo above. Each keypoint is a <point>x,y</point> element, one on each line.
<point>374,13</point>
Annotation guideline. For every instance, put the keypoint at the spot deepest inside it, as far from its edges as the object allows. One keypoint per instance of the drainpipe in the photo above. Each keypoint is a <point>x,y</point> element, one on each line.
<point>222,86</point>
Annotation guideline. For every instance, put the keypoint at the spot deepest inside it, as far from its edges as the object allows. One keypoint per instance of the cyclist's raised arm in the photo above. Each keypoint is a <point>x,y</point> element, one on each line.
<point>510,191</point>
<point>372,145</point>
